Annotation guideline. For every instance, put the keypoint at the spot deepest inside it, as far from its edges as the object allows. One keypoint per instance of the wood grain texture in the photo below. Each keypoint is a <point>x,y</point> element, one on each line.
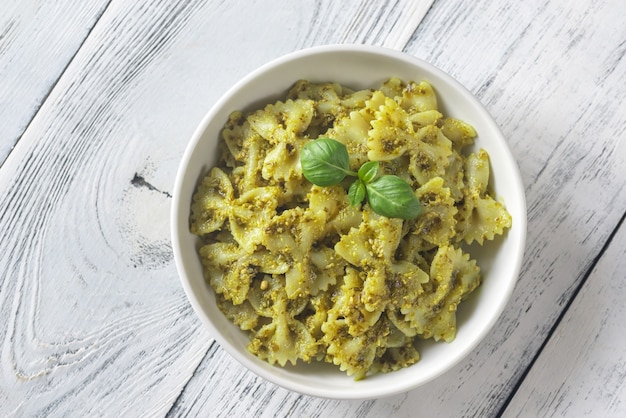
<point>37,42</point>
<point>384,23</point>
<point>582,369</point>
<point>95,320</point>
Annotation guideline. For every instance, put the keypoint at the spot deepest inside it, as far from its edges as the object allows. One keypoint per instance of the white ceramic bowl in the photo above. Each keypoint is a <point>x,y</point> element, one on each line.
<point>356,67</point>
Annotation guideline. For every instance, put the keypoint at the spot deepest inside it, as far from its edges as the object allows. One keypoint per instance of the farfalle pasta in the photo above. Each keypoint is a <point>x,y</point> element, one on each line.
<point>313,278</point>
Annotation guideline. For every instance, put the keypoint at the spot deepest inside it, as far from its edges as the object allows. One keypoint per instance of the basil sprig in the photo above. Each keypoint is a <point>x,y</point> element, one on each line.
<point>325,162</point>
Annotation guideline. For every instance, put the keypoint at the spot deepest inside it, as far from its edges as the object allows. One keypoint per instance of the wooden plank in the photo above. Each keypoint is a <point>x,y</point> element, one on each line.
<point>551,75</point>
<point>581,371</point>
<point>37,41</point>
<point>95,320</point>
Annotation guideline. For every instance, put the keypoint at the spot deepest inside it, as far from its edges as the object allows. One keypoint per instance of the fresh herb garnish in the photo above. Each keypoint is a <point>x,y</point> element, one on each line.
<point>393,197</point>
<point>325,162</point>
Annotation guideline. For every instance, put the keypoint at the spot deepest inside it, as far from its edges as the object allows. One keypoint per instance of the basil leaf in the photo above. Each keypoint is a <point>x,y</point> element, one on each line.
<point>392,197</point>
<point>325,162</point>
<point>356,192</point>
<point>368,171</point>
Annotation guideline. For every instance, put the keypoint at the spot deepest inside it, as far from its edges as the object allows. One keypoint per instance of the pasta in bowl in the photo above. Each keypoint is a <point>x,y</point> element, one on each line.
<point>309,275</point>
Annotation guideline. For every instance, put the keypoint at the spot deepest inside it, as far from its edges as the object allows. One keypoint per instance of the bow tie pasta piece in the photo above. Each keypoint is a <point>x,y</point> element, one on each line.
<point>282,162</point>
<point>284,339</point>
<point>235,134</point>
<point>268,297</point>
<point>293,234</point>
<point>354,100</point>
<point>354,354</point>
<point>460,133</point>
<point>425,118</point>
<point>334,203</point>
<point>454,176</point>
<point>477,173</point>
<point>211,203</point>
<point>326,268</point>
<point>230,269</point>
<point>250,215</point>
<point>243,151</point>
<point>396,358</point>
<point>418,97</point>
<point>391,134</point>
<point>349,307</point>
<point>243,315</point>
<point>271,147</point>
<point>327,200</point>
<point>487,218</point>
<point>392,88</point>
<point>375,240</point>
<point>315,315</point>
<point>405,280</point>
<point>413,97</point>
<point>246,175</point>
<point>282,126</point>
<point>453,276</point>
<point>480,217</point>
<point>430,154</point>
<point>376,295</point>
<point>436,225</point>
<point>283,119</point>
<point>318,92</point>
<point>399,352</point>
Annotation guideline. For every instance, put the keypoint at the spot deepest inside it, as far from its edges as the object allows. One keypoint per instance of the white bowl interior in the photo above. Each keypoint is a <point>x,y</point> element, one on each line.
<point>357,67</point>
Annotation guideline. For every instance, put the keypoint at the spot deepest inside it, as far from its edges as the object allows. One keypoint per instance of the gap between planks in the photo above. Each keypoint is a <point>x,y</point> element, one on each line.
<point>55,82</point>
<point>172,411</point>
<point>564,311</point>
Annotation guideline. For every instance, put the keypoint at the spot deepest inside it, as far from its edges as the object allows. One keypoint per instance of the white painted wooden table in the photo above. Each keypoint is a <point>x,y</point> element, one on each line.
<point>98,99</point>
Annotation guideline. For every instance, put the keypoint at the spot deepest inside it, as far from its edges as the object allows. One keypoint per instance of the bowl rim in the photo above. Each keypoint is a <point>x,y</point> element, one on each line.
<point>177,211</point>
